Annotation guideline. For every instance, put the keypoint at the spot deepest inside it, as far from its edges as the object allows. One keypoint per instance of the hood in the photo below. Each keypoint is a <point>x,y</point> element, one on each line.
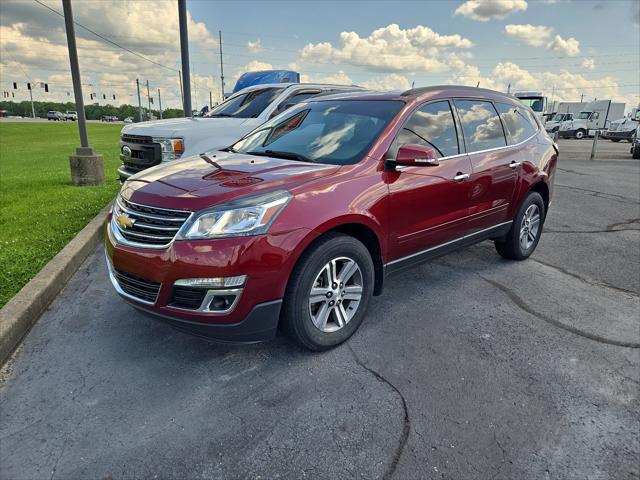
<point>194,183</point>
<point>182,127</point>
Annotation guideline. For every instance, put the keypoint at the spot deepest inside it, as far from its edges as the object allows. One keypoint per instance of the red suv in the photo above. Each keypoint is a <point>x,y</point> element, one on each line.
<point>299,223</point>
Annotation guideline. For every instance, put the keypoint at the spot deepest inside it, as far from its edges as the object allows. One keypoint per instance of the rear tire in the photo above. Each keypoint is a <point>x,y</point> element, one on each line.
<point>615,140</point>
<point>526,229</point>
<point>328,292</point>
<point>636,153</point>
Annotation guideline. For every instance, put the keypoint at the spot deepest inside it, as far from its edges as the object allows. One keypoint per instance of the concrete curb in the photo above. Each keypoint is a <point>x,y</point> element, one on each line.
<point>23,310</point>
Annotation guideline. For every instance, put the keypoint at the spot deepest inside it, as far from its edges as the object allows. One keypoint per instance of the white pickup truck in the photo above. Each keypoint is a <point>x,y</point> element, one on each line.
<point>146,144</point>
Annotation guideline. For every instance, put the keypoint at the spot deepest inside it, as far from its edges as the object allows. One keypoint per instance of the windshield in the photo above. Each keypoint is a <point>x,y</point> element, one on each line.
<point>246,105</point>
<point>338,132</point>
<point>584,115</point>
<point>534,103</point>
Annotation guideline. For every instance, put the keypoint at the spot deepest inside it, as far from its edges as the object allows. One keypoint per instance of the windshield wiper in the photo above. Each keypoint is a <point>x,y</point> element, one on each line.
<point>279,154</point>
<point>220,115</point>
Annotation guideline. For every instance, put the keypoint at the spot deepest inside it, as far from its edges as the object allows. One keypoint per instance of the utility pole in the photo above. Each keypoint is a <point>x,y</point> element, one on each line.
<point>581,97</point>
<point>139,101</point>
<point>87,168</point>
<point>33,110</point>
<point>210,100</point>
<point>181,92</point>
<point>148,100</point>
<point>160,104</point>
<point>184,53</point>
<point>221,66</point>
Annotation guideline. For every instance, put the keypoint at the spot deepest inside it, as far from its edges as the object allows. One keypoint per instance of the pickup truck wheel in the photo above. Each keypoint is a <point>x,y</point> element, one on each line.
<point>615,140</point>
<point>525,232</point>
<point>328,292</point>
<point>635,153</point>
<point>580,133</point>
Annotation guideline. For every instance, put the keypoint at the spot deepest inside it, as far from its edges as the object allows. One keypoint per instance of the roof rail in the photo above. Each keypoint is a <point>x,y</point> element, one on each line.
<point>418,91</point>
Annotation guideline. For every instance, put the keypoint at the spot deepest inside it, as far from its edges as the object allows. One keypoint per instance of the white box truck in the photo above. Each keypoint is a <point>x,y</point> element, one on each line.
<point>596,116</point>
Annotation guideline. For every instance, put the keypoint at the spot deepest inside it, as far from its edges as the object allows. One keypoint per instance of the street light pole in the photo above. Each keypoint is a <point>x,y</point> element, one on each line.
<point>160,104</point>
<point>184,53</point>
<point>87,168</point>
<point>149,99</point>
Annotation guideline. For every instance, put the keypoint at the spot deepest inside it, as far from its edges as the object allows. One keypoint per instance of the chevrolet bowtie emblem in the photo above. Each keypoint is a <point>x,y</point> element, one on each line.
<point>124,221</point>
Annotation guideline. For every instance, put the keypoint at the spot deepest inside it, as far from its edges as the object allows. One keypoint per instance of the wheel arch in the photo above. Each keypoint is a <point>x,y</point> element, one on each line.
<point>360,228</point>
<point>542,188</point>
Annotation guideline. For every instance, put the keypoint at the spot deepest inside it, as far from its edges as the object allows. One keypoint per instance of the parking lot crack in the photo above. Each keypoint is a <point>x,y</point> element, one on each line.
<point>597,193</point>
<point>406,428</point>
<point>518,301</point>
<point>586,280</point>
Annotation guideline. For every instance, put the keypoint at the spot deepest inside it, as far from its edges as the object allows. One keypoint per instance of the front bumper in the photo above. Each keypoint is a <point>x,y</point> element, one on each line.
<point>618,135</point>
<point>266,260</point>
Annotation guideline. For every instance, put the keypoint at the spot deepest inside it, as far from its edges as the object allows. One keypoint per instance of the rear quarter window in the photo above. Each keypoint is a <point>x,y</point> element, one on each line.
<point>518,121</point>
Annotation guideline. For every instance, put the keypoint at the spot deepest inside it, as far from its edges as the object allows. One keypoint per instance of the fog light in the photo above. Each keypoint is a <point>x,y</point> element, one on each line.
<point>221,303</point>
<point>216,282</point>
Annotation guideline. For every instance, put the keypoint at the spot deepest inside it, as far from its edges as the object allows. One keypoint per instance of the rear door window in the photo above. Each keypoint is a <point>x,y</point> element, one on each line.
<point>432,126</point>
<point>481,125</point>
<point>517,122</point>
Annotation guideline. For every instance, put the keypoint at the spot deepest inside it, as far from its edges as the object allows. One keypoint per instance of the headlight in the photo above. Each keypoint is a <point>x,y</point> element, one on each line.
<point>172,148</point>
<point>250,216</point>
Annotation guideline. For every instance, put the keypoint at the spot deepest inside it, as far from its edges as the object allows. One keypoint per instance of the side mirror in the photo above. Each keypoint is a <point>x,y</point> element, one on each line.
<point>416,156</point>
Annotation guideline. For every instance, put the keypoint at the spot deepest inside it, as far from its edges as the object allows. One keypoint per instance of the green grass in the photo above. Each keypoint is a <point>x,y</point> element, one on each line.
<point>40,211</point>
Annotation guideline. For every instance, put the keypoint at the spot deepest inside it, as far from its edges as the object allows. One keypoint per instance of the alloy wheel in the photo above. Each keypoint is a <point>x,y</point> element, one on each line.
<point>336,294</point>
<point>529,227</point>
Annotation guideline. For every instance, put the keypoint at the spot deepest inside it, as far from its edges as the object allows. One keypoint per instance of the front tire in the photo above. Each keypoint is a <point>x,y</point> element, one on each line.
<point>525,232</point>
<point>580,134</point>
<point>328,292</point>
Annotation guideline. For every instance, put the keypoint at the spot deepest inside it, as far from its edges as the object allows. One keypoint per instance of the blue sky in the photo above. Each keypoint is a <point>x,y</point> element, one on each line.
<point>602,28</point>
<point>566,48</point>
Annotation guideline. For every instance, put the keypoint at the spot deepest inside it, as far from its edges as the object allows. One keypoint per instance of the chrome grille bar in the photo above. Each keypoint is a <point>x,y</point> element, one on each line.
<point>144,225</point>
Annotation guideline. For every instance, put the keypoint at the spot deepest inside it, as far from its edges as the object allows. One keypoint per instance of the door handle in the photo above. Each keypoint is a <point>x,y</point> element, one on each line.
<point>515,164</point>
<point>461,176</point>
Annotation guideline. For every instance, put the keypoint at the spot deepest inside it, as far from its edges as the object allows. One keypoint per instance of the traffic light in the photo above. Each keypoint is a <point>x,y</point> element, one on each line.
<point>46,87</point>
<point>15,85</point>
<point>104,96</point>
<point>114,96</point>
<point>151,100</point>
<point>28,86</point>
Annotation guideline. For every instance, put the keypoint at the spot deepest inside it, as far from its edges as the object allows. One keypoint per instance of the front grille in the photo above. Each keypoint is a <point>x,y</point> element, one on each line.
<point>138,287</point>
<point>138,139</point>
<point>145,225</point>
<point>188,297</point>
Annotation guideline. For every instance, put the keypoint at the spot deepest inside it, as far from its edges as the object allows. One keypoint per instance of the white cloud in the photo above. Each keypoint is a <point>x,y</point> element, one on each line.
<point>390,48</point>
<point>485,10</point>
<point>388,82</point>
<point>589,63</point>
<point>534,35</point>
<point>569,46</point>
<point>254,47</point>
<point>340,77</point>
<point>34,37</point>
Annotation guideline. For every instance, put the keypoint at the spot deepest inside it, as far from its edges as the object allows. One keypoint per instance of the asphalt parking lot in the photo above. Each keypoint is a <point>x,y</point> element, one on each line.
<point>469,367</point>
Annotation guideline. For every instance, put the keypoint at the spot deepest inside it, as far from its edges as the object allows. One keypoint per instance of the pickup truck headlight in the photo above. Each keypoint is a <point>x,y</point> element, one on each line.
<point>172,148</point>
<point>250,216</point>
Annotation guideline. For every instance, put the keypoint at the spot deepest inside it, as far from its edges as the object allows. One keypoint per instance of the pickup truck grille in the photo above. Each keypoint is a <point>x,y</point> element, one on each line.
<point>137,287</point>
<point>141,152</point>
<point>145,226</point>
<point>138,139</point>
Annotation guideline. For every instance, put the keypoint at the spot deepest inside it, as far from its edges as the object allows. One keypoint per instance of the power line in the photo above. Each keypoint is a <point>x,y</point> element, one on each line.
<point>107,39</point>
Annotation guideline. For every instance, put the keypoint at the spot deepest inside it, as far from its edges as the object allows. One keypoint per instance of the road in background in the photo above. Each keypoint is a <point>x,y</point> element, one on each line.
<point>467,367</point>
